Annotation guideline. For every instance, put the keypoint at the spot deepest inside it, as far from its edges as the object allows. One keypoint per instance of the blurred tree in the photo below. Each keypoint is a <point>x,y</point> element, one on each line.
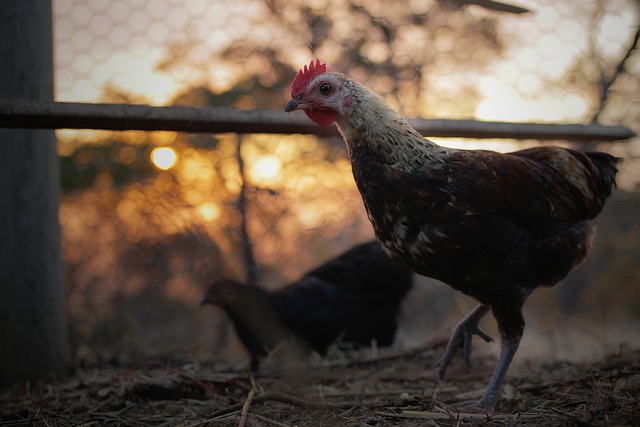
<point>601,73</point>
<point>604,68</point>
<point>397,48</point>
<point>421,55</point>
<point>119,161</point>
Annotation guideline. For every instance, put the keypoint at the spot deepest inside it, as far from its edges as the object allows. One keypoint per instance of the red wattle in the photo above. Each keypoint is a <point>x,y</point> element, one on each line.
<point>321,117</point>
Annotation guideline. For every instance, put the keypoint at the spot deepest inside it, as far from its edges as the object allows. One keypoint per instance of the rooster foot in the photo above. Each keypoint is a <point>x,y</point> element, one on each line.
<point>463,335</point>
<point>475,407</point>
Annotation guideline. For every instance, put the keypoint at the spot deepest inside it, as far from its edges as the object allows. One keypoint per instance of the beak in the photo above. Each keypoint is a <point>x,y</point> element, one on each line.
<point>292,105</point>
<point>299,104</point>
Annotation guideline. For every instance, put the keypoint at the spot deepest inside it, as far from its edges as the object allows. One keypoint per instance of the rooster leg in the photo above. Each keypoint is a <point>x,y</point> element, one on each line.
<point>462,335</point>
<point>511,327</point>
<point>508,348</point>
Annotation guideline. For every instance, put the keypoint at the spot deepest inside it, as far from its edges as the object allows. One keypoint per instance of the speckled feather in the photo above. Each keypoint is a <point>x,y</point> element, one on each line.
<point>494,226</point>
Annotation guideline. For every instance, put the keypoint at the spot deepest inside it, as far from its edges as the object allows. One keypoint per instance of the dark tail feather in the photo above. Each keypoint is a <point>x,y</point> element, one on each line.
<point>603,172</point>
<point>604,169</point>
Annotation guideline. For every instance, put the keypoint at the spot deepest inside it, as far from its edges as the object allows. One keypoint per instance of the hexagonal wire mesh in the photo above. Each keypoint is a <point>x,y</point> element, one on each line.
<point>141,238</point>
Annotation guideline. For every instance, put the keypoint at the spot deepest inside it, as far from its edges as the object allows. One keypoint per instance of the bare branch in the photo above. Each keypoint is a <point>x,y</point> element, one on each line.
<point>247,248</point>
<point>607,82</point>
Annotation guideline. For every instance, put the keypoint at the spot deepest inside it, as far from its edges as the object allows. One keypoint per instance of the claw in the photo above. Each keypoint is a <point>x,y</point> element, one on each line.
<point>475,407</point>
<point>508,347</point>
<point>482,334</point>
<point>468,336</point>
<point>463,334</point>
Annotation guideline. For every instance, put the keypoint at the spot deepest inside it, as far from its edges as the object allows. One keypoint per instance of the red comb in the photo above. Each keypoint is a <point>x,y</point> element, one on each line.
<point>303,77</point>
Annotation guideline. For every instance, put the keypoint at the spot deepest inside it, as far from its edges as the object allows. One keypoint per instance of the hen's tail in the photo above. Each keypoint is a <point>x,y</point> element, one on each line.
<point>587,177</point>
<point>603,170</point>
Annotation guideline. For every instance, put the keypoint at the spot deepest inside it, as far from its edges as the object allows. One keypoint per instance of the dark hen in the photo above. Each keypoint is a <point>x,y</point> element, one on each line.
<point>353,298</point>
<point>256,322</point>
<point>494,226</point>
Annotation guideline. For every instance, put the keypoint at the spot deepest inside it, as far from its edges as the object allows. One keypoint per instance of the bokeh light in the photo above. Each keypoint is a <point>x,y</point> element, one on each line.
<point>209,211</point>
<point>164,158</point>
<point>266,168</point>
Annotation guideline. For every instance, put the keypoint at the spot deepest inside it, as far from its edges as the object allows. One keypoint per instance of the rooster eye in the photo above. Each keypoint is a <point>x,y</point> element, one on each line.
<point>325,88</point>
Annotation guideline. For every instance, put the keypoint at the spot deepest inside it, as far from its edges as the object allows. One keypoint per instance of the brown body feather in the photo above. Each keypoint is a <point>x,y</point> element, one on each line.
<point>494,226</point>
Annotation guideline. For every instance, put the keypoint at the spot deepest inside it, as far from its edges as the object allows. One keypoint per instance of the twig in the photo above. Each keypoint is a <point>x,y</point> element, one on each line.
<point>431,345</point>
<point>588,417</point>
<point>245,407</point>
<point>607,82</point>
<point>292,400</point>
<point>374,393</point>
<point>285,398</point>
<point>269,421</point>
<point>447,415</point>
<point>605,375</point>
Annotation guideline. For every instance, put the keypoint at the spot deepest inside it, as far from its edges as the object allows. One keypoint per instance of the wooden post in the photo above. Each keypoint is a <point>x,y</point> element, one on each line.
<point>33,328</point>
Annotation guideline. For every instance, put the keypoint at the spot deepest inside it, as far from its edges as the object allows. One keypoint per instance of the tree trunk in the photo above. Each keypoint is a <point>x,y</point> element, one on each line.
<point>33,329</point>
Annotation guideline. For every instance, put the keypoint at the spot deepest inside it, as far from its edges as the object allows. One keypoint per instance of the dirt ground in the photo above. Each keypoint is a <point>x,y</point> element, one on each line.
<point>392,389</point>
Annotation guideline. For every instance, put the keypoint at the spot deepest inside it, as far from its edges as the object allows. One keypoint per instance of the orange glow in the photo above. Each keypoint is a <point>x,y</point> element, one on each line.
<point>164,158</point>
<point>209,211</point>
<point>266,168</point>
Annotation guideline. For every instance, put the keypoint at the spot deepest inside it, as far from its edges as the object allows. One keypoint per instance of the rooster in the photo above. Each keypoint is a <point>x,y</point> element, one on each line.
<point>493,226</point>
<point>355,296</point>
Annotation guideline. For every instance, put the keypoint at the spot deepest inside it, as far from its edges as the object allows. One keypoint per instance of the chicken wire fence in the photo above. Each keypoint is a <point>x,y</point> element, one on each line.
<point>149,218</point>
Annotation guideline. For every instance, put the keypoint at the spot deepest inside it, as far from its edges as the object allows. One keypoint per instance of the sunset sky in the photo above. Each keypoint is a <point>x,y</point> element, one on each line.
<point>124,45</point>
<point>100,43</point>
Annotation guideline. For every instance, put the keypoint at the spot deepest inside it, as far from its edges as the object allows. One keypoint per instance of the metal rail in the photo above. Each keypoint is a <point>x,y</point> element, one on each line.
<point>35,114</point>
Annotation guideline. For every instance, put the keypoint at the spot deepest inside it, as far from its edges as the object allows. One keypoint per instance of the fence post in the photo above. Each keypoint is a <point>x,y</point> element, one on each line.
<point>33,328</point>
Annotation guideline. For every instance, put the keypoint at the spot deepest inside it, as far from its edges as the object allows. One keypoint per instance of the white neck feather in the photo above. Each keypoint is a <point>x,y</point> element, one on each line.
<point>372,122</point>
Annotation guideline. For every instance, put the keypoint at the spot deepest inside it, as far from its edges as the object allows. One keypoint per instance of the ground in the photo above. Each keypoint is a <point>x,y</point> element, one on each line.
<point>388,389</point>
